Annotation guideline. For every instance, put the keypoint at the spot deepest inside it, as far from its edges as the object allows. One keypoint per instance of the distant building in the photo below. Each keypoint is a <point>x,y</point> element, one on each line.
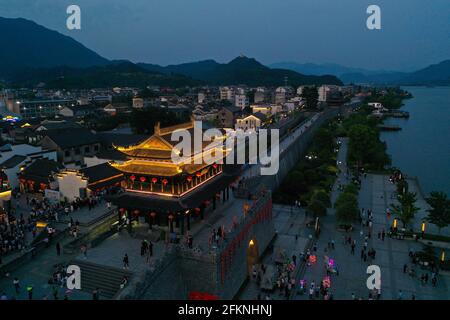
<point>138,103</point>
<point>16,158</point>
<point>251,122</point>
<point>39,108</point>
<point>326,92</point>
<point>241,101</point>
<point>72,145</point>
<point>267,109</point>
<point>282,94</point>
<point>227,93</point>
<point>80,111</point>
<point>227,116</point>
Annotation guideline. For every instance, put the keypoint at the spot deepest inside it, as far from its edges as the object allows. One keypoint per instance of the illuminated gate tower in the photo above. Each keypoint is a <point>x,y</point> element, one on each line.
<point>167,192</point>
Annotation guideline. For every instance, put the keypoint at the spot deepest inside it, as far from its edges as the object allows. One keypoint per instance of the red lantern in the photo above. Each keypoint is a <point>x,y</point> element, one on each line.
<point>198,174</point>
<point>136,212</point>
<point>133,177</point>
<point>171,217</point>
<point>154,180</point>
<point>122,210</point>
<point>215,165</point>
<point>206,202</point>
<point>153,214</point>
<point>143,179</point>
<point>165,181</point>
<point>189,178</point>
<point>197,210</point>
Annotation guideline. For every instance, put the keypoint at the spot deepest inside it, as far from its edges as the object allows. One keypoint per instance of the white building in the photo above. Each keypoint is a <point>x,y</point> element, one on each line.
<point>252,122</point>
<point>227,93</point>
<point>16,157</point>
<point>267,109</point>
<point>325,91</point>
<point>241,101</point>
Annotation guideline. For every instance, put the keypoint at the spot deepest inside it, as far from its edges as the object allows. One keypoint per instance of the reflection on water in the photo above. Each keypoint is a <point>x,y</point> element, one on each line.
<point>422,147</point>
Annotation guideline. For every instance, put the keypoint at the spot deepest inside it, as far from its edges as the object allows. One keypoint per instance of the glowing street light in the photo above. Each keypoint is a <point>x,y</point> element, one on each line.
<point>443,256</point>
<point>395,223</point>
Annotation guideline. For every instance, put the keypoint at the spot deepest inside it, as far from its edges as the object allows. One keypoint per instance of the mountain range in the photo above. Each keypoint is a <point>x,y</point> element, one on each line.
<point>437,74</point>
<point>241,70</point>
<point>36,55</point>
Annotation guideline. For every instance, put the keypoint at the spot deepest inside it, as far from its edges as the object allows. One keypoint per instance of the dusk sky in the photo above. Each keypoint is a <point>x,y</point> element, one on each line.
<point>414,34</point>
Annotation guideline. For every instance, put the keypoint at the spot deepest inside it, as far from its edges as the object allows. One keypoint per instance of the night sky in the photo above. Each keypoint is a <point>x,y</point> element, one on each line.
<point>414,34</point>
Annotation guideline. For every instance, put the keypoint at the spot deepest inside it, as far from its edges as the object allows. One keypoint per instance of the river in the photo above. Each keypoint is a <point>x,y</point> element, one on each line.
<point>422,147</point>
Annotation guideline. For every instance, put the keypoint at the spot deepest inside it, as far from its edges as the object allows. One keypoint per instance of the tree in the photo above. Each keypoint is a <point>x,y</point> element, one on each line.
<point>311,96</point>
<point>406,209</point>
<point>439,212</point>
<point>346,208</point>
<point>317,208</point>
<point>402,186</point>
<point>322,196</point>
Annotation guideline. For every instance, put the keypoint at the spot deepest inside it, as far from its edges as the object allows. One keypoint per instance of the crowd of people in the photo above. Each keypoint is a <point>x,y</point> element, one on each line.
<point>12,234</point>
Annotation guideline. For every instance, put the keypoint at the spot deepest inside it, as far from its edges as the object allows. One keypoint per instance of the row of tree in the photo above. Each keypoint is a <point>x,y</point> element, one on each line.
<point>406,209</point>
<point>346,205</point>
<point>365,149</point>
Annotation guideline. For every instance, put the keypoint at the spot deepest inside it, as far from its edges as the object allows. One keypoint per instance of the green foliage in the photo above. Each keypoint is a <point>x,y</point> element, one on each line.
<point>406,209</point>
<point>317,208</point>
<point>311,175</point>
<point>347,210</point>
<point>352,189</point>
<point>143,121</point>
<point>322,196</point>
<point>365,148</point>
<point>402,186</point>
<point>311,95</point>
<point>439,212</point>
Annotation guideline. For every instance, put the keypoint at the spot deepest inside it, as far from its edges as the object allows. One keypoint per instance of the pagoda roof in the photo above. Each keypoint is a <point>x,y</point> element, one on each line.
<point>158,169</point>
<point>159,146</point>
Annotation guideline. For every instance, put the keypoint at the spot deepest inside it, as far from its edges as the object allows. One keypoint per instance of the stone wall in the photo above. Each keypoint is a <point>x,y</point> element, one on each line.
<point>184,270</point>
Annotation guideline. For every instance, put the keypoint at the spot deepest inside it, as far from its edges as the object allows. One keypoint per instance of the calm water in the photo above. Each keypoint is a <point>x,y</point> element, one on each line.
<point>422,147</point>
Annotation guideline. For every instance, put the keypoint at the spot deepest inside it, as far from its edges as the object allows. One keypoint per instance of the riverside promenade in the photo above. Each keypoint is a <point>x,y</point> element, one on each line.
<point>376,193</point>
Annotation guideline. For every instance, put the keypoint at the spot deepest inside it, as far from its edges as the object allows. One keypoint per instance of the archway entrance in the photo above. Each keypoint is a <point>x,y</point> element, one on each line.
<point>252,255</point>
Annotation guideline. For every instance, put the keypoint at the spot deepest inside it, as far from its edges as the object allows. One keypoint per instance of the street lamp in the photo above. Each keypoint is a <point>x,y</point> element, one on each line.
<point>395,224</point>
<point>423,229</point>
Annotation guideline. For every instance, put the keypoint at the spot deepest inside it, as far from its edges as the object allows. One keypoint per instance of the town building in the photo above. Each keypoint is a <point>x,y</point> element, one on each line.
<point>168,192</point>
<point>72,145</point>
<point>227,116</point>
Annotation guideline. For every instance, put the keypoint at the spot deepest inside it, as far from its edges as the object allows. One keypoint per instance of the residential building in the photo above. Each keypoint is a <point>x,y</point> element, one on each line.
<point>72,145</point>
<point>227,116</point>
<point>250,122</point>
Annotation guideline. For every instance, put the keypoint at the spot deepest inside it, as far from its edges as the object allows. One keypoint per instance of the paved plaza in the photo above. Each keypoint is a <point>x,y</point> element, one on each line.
<point>391,254</point>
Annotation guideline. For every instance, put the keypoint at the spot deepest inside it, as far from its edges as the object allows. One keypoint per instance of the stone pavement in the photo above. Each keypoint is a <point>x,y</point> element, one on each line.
<point>391,254</point>
<point>289,223</point>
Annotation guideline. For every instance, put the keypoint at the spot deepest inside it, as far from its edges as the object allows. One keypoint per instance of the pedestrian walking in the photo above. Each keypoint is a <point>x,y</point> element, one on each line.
<point>30,292</point>
<point>58,249</point>
<point>16,284</point>
<point>126,262</point>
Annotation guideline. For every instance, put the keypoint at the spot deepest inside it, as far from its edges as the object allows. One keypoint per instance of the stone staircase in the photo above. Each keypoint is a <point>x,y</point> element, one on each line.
<point>106,278</point>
